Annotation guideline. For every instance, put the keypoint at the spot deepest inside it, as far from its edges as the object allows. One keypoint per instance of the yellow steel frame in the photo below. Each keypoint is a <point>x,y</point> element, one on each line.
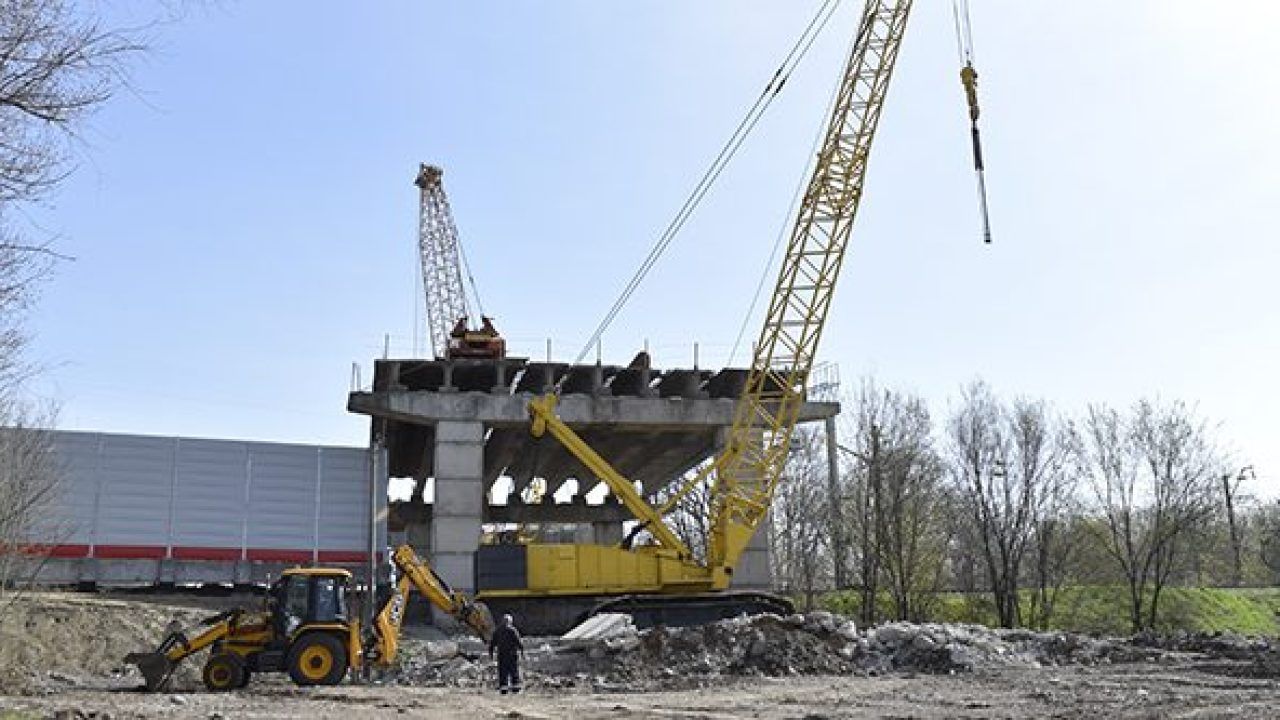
<point>744,477</point>
<point>543,412</point>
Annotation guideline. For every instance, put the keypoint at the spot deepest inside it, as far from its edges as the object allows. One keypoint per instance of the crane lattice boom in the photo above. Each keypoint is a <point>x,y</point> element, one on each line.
<point>744,477</point>
<point>441,262</point>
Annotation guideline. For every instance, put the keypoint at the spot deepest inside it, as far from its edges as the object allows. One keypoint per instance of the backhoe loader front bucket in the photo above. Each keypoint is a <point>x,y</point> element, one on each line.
<point>156,668</point>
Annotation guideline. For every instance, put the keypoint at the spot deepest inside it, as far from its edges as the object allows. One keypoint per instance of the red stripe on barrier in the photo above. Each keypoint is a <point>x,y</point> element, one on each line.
<point>284,556</point>
<point>128,552</point>
<point>70,552</point>
<point>67,551</point>
<point>217,554</point>
<point>223,554</point>
<point>343,556</point>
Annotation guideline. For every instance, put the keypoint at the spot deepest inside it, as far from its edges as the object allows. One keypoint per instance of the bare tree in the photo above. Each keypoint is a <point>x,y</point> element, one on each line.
<point>1054,548</point>
<point>1266,526</point>
<point>800,540</point>
<point>1154,479</point>
<point>690,518</point>
<point>1232,500</point>
<point>1011,466</point>
<point>899,521</point>
<point>28,487</point>
<point>57,64</point>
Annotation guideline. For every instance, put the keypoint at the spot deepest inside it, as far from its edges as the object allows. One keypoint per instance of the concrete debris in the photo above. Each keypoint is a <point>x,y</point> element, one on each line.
<point>613,654</point>
<point>1222,644</point>
<point>601,627</point>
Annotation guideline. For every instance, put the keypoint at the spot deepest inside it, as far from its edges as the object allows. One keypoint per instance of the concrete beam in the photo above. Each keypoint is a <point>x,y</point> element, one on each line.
<point>426,408</point>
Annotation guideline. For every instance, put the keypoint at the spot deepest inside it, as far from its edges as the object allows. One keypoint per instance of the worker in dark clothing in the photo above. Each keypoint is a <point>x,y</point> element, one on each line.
<point>507,643</point>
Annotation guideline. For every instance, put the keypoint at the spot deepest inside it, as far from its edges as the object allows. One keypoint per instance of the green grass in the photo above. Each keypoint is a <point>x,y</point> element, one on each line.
<point>1104,609</point>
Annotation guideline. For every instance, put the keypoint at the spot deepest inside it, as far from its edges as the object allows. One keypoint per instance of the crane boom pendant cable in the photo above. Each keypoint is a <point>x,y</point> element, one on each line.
<point>770,92</point>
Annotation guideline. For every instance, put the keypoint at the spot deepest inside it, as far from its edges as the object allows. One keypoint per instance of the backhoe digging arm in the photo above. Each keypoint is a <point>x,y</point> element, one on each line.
<point>416,573</point>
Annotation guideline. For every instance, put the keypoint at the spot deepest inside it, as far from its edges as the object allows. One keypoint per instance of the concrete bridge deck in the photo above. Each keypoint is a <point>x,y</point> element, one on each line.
<point>465,423</point>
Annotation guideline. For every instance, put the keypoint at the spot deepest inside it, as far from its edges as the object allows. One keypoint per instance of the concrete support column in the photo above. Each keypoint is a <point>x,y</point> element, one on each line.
<point>459,501</point>
<point>754,570</point>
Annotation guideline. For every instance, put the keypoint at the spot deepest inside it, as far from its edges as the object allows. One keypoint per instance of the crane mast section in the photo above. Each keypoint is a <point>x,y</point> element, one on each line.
<point>441,261</point>
<point>744,477</point>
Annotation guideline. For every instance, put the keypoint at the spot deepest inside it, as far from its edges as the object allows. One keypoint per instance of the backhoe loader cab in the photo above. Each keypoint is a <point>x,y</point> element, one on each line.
<point>305,596</point>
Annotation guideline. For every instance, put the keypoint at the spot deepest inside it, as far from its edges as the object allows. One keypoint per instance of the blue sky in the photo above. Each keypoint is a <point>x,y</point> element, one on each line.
<point>243,222</point>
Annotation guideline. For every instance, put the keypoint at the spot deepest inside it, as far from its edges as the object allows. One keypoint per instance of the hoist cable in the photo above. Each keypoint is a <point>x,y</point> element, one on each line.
<point>801,183</point>
<point>475,291</point>
<point>722,159</point>
<point>964,30</point>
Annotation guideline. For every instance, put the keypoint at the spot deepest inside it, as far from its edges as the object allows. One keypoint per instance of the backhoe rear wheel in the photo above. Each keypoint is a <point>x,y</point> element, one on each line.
<point>317,659</point>
<point>224,671</point>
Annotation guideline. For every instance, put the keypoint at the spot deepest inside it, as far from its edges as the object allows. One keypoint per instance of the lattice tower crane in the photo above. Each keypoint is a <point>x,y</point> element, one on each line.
<point>441,263</point>
<point>441,255</point>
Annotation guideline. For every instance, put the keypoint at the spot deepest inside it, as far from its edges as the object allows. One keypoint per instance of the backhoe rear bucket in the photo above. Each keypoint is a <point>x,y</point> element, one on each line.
<point>156,668</point>
<point>480,619</point>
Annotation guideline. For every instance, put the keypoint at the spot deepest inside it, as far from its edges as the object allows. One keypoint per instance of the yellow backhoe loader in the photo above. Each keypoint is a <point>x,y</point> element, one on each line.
<point>306,629</point>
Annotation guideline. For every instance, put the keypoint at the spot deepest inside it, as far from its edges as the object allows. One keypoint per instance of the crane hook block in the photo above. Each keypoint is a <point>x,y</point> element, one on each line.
<point>969,78</point>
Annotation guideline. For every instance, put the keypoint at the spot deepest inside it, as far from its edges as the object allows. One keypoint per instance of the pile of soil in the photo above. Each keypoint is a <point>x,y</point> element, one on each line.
<point>52,641</point>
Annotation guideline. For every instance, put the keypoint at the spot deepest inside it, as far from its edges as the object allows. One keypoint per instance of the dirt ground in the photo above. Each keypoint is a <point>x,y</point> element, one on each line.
<point>1131,691</point>
<point>60,658</point>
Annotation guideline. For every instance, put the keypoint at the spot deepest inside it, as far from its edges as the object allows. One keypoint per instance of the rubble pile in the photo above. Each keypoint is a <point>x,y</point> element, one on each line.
<point>613,653</point>
<point>610,653</point>
<point>1219,644</point>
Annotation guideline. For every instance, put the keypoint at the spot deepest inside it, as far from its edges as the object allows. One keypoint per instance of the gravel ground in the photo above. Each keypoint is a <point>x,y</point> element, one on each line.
<point>60,658</point>
<point>1188,689</point>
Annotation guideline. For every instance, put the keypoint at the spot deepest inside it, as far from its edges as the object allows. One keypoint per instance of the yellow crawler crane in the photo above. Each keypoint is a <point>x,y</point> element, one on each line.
<point>306,630</point>
<point>665,580</point>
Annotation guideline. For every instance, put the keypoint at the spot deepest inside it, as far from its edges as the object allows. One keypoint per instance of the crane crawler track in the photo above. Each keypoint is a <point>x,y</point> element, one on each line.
<point>685,610</point>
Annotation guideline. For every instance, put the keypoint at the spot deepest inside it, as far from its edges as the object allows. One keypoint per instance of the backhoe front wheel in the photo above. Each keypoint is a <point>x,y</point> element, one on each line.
<point>225,671</point>
<point>317,659</point>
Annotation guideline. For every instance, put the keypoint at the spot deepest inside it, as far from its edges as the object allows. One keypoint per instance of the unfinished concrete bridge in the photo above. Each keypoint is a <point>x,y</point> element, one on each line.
<point>465,424</point>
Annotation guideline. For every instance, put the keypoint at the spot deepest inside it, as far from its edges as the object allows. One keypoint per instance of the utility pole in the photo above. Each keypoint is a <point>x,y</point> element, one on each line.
<point>837,512</point>
<point>377,488</point>
<point>1230,492</point>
